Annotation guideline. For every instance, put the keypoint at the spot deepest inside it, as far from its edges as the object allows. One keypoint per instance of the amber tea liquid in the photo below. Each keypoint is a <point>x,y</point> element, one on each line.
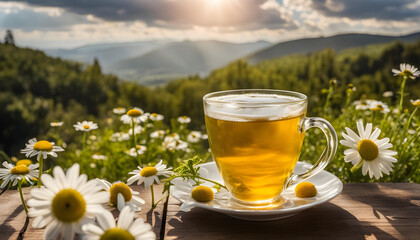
<point>255,149</point>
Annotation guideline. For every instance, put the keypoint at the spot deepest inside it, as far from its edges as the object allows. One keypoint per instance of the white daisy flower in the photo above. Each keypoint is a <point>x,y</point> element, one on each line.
<point>85,126</point>
<point>137,130</point>
<point>156,117</point>
<point>370,104</point>
<point>415,102</point>
<point>406,70</point>
<point>149,175</point>
<point>98,156</point>
<point>14,174</point>
<point>65,203</point>
<point>204,136</point>
<point>194,136</point>
<point>173,143</point>
<point>138,150</point>
<point>157,134</point>
<point>388,94</point>
<point>192,195</point>
<point>121,195</point>
<point>56,124</point>
<point>126,227</point>
<point>184,119</point>
<point>135,114</point>
<point>40,148</point>
<point>368,150</point>
<point>119,110</point>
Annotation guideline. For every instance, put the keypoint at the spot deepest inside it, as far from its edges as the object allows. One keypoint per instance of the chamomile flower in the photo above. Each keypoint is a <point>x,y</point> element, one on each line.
<point>56,124</point>
<point>138,150</point>
<point>119,110</point>
<point>415,102</point>
<point>126,228</point>
<point>194,136</point>
<point>66,202</point>
<point>156,117</point>
<point>97,156</point>
<point>172,143</point>
<point>202,194</point>
<point>85,126</point>
<point>388,94</point>
<point>149,175</point>
<point>184,119</point>
<point>368,150</point>
<point>119,137</point>
<point>41,148</point>
<point>121,195</point>
<point>135,114</point>
<point>157,134</point>
<point>14,174</point>
<point>406,70</point>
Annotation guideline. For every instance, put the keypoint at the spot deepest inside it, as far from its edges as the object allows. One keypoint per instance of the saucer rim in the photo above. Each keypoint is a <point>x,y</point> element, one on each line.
<point>297,209</point>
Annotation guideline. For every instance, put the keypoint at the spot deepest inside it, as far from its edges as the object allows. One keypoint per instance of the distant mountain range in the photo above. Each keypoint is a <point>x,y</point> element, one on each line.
<point>179,59</point>
<point>156,62</point>
<point>338,43</point>
<point>107,53</point>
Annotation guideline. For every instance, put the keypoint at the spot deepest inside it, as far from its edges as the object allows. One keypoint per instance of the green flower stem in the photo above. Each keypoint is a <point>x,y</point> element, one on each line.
<point>84,141</point>
<point>401,96</point>
<point>153,197</point>
<point>21,196</point>
<point>216,183</point>
<point>161,200</point>
<point>409,120</point>
<point>132,133</point>
<point>4,155</point>
<point>357,166</point>
<point>40,161</point>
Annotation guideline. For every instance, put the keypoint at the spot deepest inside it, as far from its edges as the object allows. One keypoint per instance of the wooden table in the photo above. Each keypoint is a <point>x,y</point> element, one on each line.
<point>362,211</point>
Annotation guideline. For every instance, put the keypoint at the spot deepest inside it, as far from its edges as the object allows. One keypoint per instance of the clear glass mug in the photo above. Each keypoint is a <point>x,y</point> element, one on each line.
<point>256,137</point>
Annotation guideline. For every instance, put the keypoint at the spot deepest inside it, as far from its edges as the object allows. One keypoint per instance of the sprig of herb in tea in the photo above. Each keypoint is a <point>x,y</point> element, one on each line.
<point>189,170</point>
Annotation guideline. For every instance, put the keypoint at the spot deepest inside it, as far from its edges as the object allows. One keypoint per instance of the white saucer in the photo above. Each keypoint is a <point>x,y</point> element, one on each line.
<point>328,186</point>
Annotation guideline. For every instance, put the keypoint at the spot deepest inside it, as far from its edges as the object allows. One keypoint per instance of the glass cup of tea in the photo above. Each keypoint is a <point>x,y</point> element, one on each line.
<point>256,136</point>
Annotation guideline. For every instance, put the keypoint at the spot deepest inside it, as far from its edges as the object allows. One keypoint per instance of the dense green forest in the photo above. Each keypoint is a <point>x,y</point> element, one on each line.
<point>36,89</point>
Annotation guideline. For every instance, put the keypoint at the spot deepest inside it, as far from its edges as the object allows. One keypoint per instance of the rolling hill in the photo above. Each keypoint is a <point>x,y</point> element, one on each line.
<point>337,42</point>
<point>179,59</point>
<point>107,53</point>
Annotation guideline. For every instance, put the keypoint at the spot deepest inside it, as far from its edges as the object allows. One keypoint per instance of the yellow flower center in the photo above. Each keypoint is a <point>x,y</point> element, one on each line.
<point>119,188</point>
<point>43,146</point>
<point>134,113</point>
<point>116,234</point>
<point>119,108</point>
<point>86,126</point>
<point>407,73</point>
<point>368,150</point>
<point>154,114</point>
<point>26,162</point>
<point>305,190</point>
<point>20,170</point>
<point>202,194</point>
<point>68,205</point>
<point>138,147</point>
<point>184,117</point>
<point>148,171</point>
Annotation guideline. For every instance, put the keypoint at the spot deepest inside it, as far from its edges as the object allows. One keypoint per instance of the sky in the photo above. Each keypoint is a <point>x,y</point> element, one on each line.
<point>70,23</point>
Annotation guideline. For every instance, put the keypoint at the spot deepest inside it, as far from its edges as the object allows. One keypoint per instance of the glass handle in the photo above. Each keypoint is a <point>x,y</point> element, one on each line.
<point>326,156</point>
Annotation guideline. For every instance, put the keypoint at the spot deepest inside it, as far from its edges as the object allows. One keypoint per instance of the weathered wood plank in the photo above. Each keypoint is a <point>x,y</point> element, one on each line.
<point>12,215</point>
<point>362,211</point>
